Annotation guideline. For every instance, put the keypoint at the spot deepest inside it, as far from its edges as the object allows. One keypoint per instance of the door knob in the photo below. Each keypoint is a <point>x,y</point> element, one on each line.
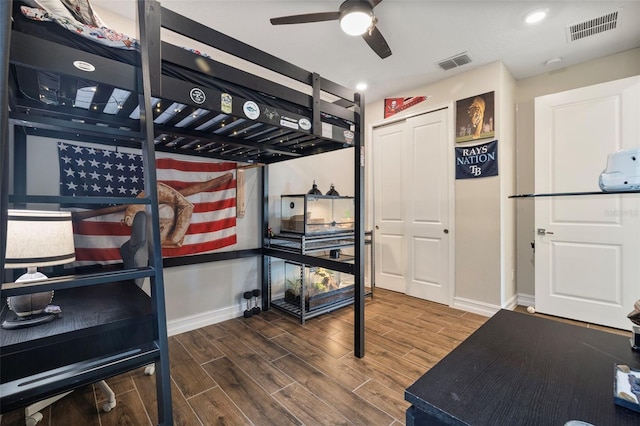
<point>446,231</point>
<point>542,231</point>
<point>377,227</point>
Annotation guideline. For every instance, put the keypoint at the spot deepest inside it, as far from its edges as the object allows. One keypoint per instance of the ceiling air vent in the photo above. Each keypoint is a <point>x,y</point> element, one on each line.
<point>593,26</point>
<point>455,61</point>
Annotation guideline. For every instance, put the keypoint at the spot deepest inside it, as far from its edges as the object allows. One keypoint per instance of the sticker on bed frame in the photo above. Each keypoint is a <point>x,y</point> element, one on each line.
<point>84,66</point>
<point>271,113</point>
<point>226,103</point>
<point>291,123</point>
<point>348,136</point>
<point>305,124</point>
<point>251,110</point>
<point>327,130</point>
<point>197,95</point>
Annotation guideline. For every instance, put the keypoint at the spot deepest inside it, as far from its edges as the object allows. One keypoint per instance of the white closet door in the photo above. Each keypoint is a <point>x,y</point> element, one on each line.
<point>412,175</point>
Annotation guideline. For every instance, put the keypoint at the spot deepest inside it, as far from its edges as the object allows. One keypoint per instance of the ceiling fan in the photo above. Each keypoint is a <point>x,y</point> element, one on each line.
<point>356,18</point>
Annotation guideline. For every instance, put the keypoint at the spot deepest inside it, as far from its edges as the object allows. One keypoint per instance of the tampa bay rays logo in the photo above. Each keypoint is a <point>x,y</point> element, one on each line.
<point>475,170</point>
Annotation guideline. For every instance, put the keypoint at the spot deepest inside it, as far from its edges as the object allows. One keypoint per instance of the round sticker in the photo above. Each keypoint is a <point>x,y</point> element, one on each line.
<point>251,110</point>
<point>304,124</point>
<point>84,66</point>
<point>348,136</point>
<point>197,95</point>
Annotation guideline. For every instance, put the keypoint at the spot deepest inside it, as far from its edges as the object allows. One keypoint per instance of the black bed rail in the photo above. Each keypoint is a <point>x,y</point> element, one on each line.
<point>203,34</point>
<point>197,31</point>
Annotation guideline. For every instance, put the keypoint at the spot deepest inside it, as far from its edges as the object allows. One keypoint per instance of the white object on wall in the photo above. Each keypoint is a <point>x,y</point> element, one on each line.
<point>622,172</point>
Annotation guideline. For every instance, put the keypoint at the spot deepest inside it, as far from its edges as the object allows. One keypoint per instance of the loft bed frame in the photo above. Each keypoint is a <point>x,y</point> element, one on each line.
<point>302,114</point>
<point>272,137</point>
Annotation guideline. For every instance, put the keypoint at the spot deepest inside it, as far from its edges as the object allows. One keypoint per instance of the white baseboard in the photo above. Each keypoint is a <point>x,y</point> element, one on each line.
<point>526,300</point>
<point>487,309</point>
<point>474,306</point>
<point>511,303</point>
<point>182,325</point>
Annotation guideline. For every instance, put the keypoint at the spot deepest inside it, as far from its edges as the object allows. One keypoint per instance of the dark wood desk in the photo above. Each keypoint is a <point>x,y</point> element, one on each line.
<point>519,369</point>
<point>98,321</point>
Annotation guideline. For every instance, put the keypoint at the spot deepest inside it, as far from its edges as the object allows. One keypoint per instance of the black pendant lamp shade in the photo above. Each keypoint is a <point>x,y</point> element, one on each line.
<point>332,191</point>
<point>314,189</point>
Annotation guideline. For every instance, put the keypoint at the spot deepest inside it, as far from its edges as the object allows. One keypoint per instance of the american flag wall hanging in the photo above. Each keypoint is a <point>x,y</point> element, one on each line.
<point>197,200</point>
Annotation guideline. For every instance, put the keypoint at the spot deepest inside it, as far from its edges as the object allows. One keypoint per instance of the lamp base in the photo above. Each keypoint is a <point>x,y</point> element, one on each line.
<point>21,322</point>
<point>635,338</point>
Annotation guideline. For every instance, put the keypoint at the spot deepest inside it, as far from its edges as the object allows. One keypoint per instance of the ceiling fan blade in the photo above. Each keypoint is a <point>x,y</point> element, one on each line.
<point>374,3</point>
<point>303,19</point>
<point>376,41</point>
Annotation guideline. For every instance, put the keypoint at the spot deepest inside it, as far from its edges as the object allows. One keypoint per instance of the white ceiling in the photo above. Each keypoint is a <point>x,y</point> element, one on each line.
<point>421,33</point>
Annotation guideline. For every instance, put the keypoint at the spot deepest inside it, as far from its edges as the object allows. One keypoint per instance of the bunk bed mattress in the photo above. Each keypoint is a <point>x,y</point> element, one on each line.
<point>54,32</point>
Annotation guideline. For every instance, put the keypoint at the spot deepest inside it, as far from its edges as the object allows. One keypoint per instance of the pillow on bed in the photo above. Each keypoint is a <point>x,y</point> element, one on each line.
<point>54,7</point>
<point>78,10</point>
<point>102,35</point>
<point>82,10</point>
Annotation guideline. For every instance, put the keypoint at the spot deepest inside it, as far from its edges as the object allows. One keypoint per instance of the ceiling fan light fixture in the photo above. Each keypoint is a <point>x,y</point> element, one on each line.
<point>356,21</point>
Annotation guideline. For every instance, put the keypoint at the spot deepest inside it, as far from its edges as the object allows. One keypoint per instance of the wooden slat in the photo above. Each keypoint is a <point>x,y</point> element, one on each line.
<point>343,400</point>
<point>186,371</point>
<point>252,399</point>
<point>308,407</point>
<point>214,407</point>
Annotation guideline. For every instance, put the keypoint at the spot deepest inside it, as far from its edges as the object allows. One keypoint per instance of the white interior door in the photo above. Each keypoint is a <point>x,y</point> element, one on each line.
<point>587,262</point>
<point>388,204</point>
<point>411,189</point>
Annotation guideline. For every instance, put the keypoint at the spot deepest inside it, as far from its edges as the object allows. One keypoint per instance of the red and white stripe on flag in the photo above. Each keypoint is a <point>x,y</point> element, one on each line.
<point>212,223</point>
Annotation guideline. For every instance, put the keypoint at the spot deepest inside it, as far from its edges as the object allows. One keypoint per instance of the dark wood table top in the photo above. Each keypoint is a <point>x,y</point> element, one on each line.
<point>520,369</point>
<point>95,320</point>
<point>83,308</point>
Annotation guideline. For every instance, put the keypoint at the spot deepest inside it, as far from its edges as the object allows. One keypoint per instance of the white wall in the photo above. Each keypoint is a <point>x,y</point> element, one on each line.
<point>296,177</point>
<point>484,233</point>
<point>614,67</point>
<point>476,280</point>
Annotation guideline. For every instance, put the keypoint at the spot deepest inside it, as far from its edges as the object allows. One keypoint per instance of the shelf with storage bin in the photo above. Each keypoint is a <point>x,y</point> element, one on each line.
<point>315,267</point>
<point>310,291</point>
<point>303,244</point>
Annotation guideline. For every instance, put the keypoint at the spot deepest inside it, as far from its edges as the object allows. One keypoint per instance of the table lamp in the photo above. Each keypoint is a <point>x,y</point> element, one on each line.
<point>36,238</point>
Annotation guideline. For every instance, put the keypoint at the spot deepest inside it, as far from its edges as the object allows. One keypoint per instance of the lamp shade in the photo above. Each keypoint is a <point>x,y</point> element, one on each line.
<point>314,189</point>
<point>39,238</point>
<point>356,21</point>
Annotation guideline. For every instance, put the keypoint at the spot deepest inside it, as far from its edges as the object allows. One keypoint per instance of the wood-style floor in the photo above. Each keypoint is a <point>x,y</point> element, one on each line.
<point>270,370</point>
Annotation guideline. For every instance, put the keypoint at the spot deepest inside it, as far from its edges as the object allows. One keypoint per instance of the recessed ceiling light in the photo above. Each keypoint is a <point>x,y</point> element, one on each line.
<point>553,61</point>
<point>535,16</point>
<point>361,87</point>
